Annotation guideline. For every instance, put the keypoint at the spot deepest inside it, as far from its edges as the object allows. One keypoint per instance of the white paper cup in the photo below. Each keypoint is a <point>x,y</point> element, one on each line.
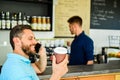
<point>60,53</point>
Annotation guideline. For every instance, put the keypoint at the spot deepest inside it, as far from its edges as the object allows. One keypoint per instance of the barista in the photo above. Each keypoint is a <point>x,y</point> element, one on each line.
<point>82,46</point>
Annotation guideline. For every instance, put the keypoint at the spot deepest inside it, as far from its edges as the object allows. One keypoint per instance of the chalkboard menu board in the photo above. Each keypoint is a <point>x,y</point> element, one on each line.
<point>105,14</point>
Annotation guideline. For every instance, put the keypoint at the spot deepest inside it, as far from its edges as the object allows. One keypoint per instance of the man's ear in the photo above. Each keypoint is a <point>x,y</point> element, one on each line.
<point>16,40</point>
<point>75,26</point>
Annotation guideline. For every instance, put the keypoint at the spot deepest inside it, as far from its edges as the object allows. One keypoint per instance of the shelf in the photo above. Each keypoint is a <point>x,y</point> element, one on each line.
<point>32,30</point>
<point>28,8</point>
<point>33,1</point>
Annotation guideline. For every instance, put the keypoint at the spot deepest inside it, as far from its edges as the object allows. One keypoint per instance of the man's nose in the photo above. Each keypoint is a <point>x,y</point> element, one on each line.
<point>34,41</point>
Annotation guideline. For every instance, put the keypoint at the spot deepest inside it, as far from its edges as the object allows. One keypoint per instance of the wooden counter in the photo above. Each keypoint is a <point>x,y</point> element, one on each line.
<point>109,71</point>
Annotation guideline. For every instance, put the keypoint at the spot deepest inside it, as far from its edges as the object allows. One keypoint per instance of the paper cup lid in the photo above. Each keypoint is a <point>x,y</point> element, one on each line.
<point>60,50</point>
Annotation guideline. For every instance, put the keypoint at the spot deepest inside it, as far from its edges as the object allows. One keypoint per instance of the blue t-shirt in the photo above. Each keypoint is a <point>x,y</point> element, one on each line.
<point>17,67</point>
<point>82,50</point>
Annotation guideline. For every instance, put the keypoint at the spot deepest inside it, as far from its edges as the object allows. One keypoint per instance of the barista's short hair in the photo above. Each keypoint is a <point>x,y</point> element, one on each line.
<point>75,19</point>
<point>17,31</point>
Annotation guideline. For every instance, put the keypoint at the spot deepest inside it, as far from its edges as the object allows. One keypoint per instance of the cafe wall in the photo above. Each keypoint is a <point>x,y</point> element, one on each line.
<point>101,38</point>
<point>64,9</point>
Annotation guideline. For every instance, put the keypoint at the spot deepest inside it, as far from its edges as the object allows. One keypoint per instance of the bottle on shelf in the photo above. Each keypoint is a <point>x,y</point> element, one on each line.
<point>48,23</point>
<point>28,20</point>
<point>7,20</point>
<point>24,20</point>
<point>19,18</point>
<point>0,24</point>
<point>3,20</point>
<point>34,22</point>
<point>43,23</point>
<point>14,20</point>
<point>0,20</point>
<point>39,25</point>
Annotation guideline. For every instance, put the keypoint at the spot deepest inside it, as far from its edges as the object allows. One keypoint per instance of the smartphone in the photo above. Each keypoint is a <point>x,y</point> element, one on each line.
<point>34,57</point>
<point>37,47</point>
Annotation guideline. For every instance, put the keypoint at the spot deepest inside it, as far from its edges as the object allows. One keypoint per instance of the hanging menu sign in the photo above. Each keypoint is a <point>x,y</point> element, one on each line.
<point>105,14</point>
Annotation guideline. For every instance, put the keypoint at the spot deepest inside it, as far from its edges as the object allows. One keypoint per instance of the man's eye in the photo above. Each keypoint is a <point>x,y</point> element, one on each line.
<point>30,38</point>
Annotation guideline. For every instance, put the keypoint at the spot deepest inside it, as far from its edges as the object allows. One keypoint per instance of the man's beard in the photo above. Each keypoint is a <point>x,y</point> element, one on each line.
<point>72,32</point>
<point>26,50</point>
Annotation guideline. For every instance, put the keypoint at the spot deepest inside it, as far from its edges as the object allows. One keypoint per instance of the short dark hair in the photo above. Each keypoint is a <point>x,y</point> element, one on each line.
<point>75,19</point>
<point>17,31</point>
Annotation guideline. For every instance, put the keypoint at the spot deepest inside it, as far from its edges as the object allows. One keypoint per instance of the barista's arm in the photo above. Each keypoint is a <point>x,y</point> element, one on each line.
<point>90,62</point>
<point>40,66</point>
<point>89,50</point>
